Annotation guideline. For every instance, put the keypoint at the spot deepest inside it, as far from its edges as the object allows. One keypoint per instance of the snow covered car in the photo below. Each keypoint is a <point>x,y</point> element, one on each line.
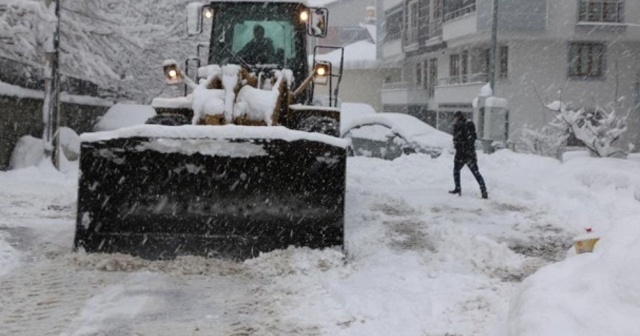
<point>390,135</point>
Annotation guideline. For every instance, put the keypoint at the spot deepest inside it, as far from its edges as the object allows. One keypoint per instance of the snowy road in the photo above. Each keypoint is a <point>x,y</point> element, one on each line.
<point>419,262</point>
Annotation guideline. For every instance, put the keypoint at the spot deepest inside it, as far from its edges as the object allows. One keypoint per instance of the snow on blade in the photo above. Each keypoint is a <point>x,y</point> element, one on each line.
<point>218,132</point>
<point>204,147</point>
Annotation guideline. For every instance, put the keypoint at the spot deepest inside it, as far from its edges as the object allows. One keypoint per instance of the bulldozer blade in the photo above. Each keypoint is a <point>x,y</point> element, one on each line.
<point>216,195</point>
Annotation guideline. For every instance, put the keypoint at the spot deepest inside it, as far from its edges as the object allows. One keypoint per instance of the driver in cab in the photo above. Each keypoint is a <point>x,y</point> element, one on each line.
<point>259,50</point>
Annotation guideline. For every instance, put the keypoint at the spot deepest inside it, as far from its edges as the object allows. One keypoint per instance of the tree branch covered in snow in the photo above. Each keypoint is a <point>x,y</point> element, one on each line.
<point>598,130</point>
<point>545,141</point>
<point>116,44</point>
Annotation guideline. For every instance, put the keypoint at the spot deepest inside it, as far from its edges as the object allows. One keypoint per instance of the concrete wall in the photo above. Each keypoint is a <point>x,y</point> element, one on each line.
<point>515,15</point>
<point>543,66</point>
<point>23,116</point>
<point>563,22</point>
<point>361,86</point>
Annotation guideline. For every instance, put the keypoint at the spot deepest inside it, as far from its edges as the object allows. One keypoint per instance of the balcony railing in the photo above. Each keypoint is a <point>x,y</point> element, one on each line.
<point>460,12</point>
<point>463,79</point>
<point>395,86</point>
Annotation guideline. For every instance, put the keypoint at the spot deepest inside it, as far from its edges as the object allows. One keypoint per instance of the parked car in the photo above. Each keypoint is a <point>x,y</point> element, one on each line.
<point>390,135</point>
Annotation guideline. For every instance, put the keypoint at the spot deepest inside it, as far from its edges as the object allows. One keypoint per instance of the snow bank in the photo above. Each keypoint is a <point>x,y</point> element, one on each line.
<point>124,115</point>
<point>69,143</point>
<point>595,293</point>
<point>27,152</point>
<point>589,294</point>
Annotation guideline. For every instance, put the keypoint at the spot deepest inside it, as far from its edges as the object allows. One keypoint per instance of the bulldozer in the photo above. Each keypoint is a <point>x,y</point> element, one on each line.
<point>246,163</point>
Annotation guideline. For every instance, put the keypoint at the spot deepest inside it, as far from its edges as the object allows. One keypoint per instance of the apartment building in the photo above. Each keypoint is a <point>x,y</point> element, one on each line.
<point>579,51</point>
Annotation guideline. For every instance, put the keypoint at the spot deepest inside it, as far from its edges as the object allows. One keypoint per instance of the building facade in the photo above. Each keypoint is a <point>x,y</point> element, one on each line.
<point>578,51</point>
<point>352,25</point>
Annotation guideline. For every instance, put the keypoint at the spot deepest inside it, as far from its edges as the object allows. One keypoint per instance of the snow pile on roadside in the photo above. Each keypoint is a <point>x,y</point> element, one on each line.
<point>597,293</point>
<point>27,152</point>
<point>124,115</point>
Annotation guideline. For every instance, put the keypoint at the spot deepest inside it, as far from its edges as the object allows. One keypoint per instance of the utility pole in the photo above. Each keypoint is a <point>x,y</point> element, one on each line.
<point>51,104</point>
<point>494,47</point>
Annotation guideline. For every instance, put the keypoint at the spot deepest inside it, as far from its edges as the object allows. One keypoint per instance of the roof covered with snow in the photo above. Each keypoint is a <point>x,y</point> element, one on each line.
<point>358,55</point>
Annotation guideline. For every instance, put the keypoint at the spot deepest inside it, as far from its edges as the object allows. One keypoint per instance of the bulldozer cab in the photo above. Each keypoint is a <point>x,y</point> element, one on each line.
<point>260,35</point>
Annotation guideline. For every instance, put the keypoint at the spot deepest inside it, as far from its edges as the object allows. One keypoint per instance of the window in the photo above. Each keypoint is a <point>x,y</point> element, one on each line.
<point>601,11</point>
<point>437,18</point>
<point>418,75</point>
<point>586,60</point>
<point>412,22</point>
<point>457,8</point>
<point>433,76</point>
<point>425,74</point>
<point>454,68</point>
<point>464,62</point>
<point>393,25</point>
<point>487,61</point>
<point>504,62</point>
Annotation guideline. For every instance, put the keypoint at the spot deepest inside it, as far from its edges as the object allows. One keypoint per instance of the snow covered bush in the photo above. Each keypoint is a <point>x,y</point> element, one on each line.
<point>597,129</point>
<point>545,141</point>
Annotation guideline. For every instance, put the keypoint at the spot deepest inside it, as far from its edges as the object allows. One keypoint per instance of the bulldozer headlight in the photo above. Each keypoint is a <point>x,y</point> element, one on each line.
<point>322,71</point>
<point>304,16</point>
<point>172,74</point>
<point>207,13</point>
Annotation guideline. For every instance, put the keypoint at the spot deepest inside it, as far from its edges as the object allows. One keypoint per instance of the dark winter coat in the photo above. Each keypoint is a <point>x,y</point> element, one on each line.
<point>464,140</point>
<point>258,52</point>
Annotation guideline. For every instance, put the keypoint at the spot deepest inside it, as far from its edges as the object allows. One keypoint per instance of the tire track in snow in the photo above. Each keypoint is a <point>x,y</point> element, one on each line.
<point>80,295</point>
<point>44,298</point>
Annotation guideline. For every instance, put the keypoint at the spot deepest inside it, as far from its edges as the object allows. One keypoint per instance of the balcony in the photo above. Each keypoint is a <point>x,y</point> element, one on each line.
<point>402,93</point>
<point>460,23</point>
<point>459,89</point>
<point>460,12</point>
<point>464,79</point>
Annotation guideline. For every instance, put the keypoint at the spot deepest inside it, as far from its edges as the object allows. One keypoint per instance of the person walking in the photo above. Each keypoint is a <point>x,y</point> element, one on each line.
<point>464,139</point>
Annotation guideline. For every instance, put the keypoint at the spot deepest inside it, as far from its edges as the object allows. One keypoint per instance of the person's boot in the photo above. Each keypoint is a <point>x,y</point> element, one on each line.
<point>485,195</point>
<point>456,191</point>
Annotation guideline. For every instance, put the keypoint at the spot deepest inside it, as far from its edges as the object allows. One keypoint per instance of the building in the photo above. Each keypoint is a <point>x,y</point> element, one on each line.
<point>352,25</point>
<point>578,51</point>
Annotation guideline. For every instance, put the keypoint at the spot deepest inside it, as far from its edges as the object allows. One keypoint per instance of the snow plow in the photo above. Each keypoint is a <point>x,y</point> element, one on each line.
<point>243,164</point>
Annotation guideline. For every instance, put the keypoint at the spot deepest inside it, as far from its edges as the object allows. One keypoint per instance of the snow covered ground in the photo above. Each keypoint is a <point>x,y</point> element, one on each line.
<point>419,261</point>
